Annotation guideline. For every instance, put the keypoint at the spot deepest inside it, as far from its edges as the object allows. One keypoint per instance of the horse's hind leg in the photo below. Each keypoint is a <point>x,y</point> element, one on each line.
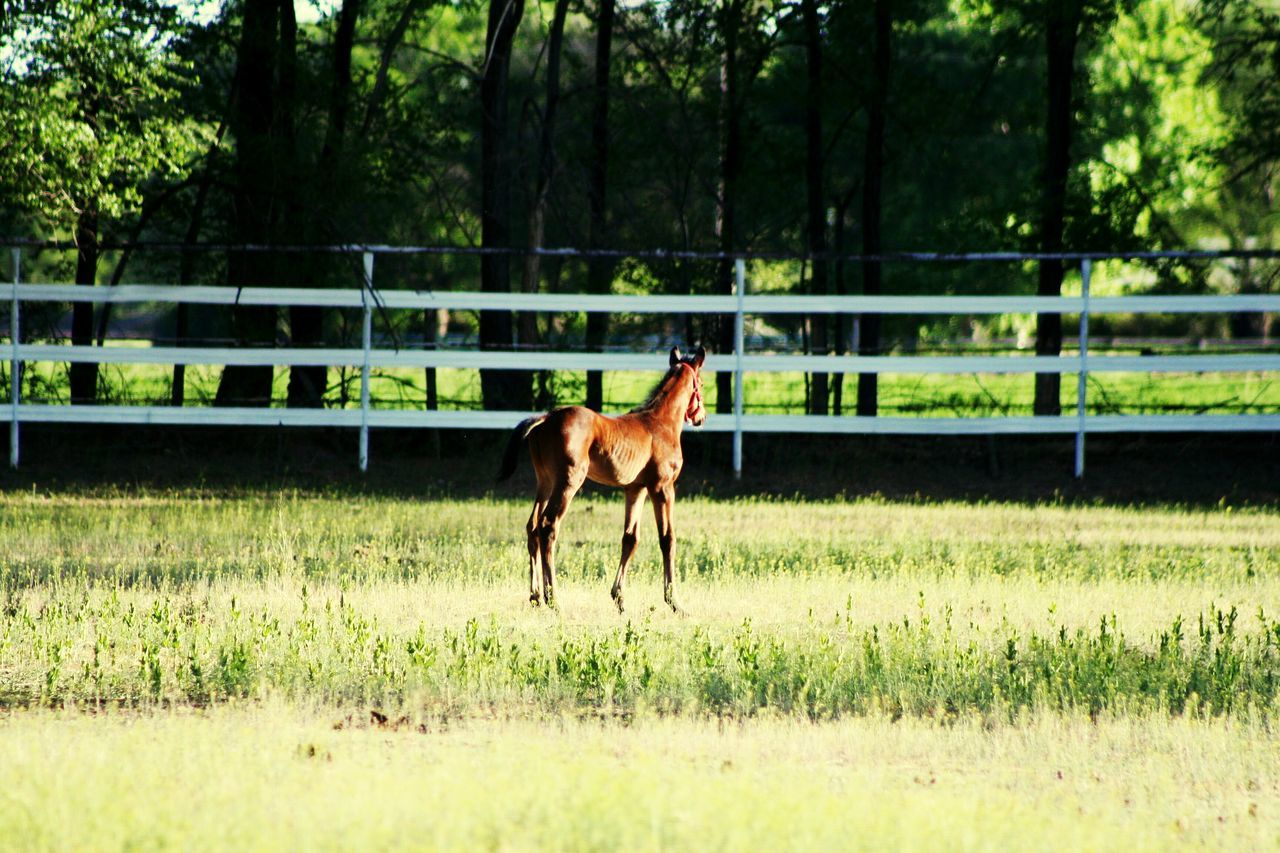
<point>535,548</point>
<point>556,506</point>
<point>631,522</point>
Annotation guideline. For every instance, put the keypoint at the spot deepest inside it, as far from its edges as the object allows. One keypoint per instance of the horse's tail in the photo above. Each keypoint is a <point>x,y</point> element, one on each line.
<point>518,435</point>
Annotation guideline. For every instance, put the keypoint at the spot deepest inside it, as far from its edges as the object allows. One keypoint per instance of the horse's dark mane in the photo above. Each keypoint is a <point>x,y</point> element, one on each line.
<point>652,397</point>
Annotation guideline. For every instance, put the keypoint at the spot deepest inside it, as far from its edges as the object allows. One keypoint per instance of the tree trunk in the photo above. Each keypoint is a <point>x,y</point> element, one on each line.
<point>181,323</point>
<point>1062,32</point>
<point>501,389</point>
<point>817,220</point>
<point>528,320</point>
<point>730,170</point>
<point>307,382</point>
<point>84,375</point>
<point>1249,324</point>
<point>255,180</point>
<point>842,320</point>
<point>430,333</point>
<point>186,268</point>
<point>872,204</point>
<point>599,270</point>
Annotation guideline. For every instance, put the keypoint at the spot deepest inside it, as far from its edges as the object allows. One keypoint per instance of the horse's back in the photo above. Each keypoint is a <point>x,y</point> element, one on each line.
<point>570,423</point>
<point>613,451</point>
<point>562,438</point>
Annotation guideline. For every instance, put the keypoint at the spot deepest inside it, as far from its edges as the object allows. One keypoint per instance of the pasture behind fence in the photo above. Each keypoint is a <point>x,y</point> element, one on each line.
<point>367,298</point>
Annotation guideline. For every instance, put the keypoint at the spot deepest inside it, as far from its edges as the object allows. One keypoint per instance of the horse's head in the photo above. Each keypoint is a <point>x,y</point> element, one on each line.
<point>696,414</point>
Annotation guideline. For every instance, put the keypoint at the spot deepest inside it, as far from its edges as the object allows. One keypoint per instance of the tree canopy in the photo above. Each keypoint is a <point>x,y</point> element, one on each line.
<point>738,125</point>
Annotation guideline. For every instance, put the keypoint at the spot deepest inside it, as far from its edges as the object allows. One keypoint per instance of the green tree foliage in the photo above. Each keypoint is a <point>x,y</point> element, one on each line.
<point>89,96</point>
<point>1244,73</point>
<point>89,103</point>
<point>703,137</point>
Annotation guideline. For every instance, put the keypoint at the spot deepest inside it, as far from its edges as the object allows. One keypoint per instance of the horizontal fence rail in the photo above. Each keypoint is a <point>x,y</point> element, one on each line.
<point>454,300</point>
<point>368,299</point>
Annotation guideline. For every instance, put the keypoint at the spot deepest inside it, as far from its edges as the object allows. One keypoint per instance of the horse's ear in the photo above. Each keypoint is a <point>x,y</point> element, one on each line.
<point>699,357</point>
<point>675,356</point>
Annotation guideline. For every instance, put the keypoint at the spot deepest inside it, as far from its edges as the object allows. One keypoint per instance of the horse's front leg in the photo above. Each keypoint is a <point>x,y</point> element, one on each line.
<point>664,499</point>
<point>630,524</point>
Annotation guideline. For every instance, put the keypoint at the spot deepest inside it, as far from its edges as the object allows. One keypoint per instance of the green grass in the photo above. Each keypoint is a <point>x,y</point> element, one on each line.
<point>818,610</point>
<point>312,669</point>
<point>194,649</point>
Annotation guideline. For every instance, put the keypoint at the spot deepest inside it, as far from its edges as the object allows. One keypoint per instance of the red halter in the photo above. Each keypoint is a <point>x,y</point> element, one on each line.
<point>695,401</point>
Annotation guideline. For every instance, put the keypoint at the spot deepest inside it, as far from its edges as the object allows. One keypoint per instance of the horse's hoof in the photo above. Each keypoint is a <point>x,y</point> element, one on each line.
<point>535,599</point>
<point>670,598</point>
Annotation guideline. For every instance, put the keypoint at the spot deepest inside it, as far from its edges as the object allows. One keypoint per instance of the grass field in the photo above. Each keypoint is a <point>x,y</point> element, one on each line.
<point>336,669</point>
<point>269,776</point>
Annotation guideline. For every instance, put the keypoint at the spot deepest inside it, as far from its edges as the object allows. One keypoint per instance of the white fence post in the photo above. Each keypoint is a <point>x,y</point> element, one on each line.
<point>740,280</point>
<point>1086,267</point>
<point>15,366</point>
<point>366,293</point>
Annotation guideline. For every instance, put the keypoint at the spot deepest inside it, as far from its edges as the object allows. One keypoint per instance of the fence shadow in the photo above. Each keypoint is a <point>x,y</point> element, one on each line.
<point>1196,470</point>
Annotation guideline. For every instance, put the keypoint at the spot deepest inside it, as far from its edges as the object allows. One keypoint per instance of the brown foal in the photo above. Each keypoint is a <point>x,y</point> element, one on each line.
<point>638,452</point>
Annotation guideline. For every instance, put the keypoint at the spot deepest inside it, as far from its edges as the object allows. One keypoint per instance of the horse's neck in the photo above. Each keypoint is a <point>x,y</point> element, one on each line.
<point>673,400</point>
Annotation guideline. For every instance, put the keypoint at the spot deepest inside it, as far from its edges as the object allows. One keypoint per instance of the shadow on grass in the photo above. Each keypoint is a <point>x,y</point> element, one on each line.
<point>1173,469</point>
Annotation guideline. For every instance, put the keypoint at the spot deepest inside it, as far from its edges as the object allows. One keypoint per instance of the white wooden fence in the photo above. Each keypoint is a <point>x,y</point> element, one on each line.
<point>739,304</point>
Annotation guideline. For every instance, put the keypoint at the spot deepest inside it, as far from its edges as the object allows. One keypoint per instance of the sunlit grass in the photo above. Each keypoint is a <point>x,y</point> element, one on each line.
<point>817,609</point>
<point>281,776</point>
<point>231,669</point>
